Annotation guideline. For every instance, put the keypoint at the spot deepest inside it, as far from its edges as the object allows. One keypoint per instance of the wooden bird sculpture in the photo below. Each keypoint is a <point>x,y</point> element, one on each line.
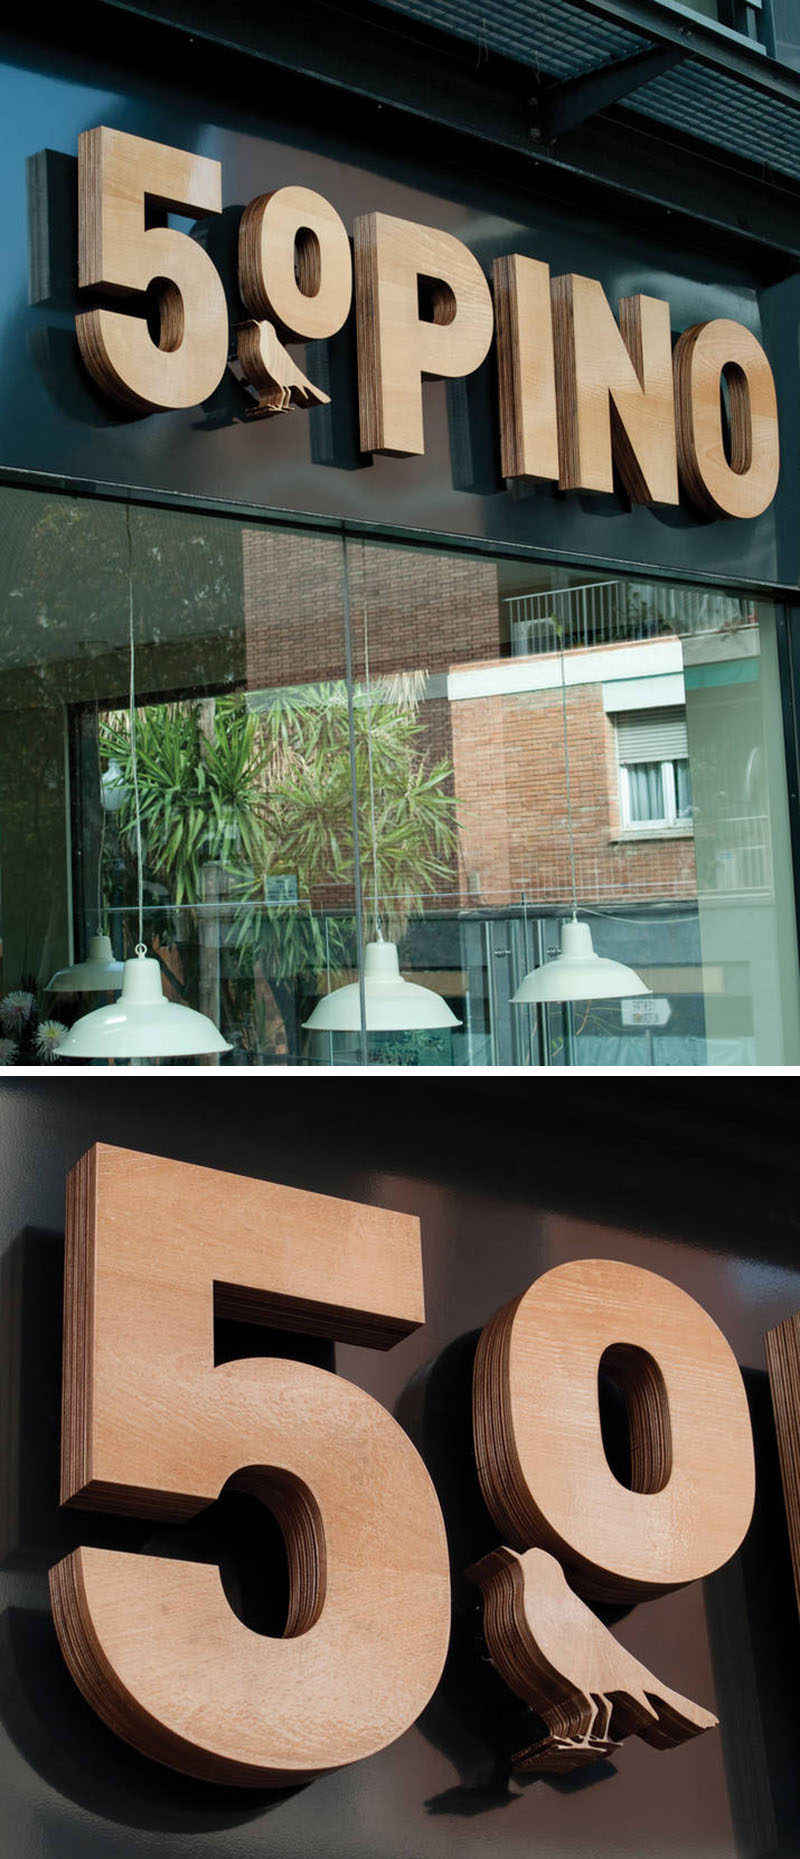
<point>269,368</point>
<point>554,1652</point>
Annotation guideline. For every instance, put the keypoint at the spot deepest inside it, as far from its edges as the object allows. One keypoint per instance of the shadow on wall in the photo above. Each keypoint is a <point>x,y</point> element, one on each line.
<point>42,1710</point>
<point>473,1718</point>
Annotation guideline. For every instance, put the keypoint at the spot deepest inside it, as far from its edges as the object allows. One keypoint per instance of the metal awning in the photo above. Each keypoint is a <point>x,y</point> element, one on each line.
<point>669,65</point>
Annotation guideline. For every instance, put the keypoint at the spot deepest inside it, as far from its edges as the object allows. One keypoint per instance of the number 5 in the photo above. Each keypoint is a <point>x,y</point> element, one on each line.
<point>117,175</point>
<point>152,1428</point>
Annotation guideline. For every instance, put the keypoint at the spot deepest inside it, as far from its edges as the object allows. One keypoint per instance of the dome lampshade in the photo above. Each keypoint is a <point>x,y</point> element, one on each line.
<point>393,1004</point>
<point>578,974</point>
<point>142,1024</point>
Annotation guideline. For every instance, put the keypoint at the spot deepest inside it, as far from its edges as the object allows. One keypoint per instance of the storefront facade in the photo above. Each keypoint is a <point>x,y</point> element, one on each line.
<point>403,686</point>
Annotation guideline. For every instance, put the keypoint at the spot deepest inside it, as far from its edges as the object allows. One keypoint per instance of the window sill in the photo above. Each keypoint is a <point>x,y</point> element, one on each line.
<point>646,834</point>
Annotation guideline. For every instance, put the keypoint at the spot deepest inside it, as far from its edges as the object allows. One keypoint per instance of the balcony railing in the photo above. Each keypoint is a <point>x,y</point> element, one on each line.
<point>613,612</point>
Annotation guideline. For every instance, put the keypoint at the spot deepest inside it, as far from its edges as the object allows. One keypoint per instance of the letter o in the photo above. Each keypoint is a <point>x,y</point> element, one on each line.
<point>744,485</point>
<point>295,264</point>
<point>539,1445</point>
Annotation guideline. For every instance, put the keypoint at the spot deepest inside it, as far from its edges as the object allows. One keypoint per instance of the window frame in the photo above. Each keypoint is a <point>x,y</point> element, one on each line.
<point>670,822</point>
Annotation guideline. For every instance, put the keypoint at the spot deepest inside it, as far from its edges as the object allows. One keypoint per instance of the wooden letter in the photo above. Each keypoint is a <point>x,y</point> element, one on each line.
<point>152,1428</point>
<point>614,392</point>
<point>744,482</point>
<point>396,346</point>
<point>541,1459</point>
<point>526,368</point>
<point>117,175</point>
<point>783,1363</point>
<point>294,263</point>
<point>550,1489</point>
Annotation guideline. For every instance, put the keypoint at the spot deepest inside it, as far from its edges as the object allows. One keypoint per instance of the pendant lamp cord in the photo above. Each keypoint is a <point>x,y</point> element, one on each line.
<point>140,946</point>
<point>375,894</point>
<point>566,779</point>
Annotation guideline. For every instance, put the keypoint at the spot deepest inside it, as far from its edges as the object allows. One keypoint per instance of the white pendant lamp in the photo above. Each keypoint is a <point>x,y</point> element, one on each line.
<point>393,1005</point>
<point>113,788</point>
<point>142,1024</point>
<point>99,974</point>
<point>577,973</point>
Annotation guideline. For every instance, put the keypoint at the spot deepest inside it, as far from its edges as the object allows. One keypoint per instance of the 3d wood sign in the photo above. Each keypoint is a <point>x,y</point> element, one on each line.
<point>152,1428</point>
<point>579,394</point>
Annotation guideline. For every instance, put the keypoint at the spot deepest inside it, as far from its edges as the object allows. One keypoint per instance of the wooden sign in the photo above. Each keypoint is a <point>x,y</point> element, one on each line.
<point>740,479</point>
<point>396,346</point>
<point>783,1364</point>
<point>550,1489</point>
<point>526,368</point>
<point>295,268</point>
<point>555,1653</point>
<point>153,1429</point>
<point>118,175</point>
<point>615,392</point>
<point>582,396</point>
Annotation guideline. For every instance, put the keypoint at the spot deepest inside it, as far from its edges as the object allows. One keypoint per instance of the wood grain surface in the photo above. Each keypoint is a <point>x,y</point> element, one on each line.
<point>739,479</point>
<point>783,1363</point>
<point>396,346</point>
<point>539,1445</point>
<point>554,1652</point>
<point>526,368</point>
<point>153,1428</point>
<point>615,392</point>
<point>269,367</point>
<point>118,174</point>
<point>294,263</point>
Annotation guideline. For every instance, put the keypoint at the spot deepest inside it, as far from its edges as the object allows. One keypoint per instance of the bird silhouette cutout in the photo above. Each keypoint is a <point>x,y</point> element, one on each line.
<point>269,368</point>
<point>553,1651</point>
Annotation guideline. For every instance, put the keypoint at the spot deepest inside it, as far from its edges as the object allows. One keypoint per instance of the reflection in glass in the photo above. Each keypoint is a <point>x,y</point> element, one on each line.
<point>308,777</point>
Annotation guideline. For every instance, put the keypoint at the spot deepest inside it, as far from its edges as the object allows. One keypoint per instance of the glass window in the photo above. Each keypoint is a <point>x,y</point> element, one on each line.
<point>384,775</point>
<point>655,786</point>
<point>741,16</point>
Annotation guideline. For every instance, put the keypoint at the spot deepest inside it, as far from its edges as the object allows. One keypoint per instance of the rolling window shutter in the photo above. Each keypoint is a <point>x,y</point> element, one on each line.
<point>652,736</point>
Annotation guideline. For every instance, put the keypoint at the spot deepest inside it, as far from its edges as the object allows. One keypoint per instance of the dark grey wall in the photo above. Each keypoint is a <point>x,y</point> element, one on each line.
<point>53,420</point>
<point>699,1182</point>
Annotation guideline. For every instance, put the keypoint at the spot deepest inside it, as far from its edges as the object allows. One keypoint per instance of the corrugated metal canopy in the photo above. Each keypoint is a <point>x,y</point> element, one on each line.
<point>559,39</point>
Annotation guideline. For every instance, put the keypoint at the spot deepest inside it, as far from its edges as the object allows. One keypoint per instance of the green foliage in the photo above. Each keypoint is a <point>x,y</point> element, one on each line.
<point>265,792</point>
<point>310,799</point>
<point>201,800</point>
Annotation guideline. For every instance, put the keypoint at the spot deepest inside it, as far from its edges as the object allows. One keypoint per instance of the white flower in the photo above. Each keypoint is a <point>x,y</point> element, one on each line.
<point>16,1010</point>
<point>48,1040</point>
<point>8,1051</point>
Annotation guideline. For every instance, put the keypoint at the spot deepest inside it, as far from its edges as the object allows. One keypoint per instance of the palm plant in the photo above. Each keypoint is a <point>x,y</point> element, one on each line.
<point>201,800</point>
<point>413,841</point>
<point>259,792</point>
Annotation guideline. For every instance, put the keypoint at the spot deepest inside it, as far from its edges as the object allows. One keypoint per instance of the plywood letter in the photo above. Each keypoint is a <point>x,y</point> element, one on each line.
<point>615,394</point>
<point>541,1459</point>
<point>396,346</point>
<point>295,264</point>
<point>742,482</point>
<point>526,368</point>
<point>153,1428</point>
<point>783,1363</point>
<point>117,175</point>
